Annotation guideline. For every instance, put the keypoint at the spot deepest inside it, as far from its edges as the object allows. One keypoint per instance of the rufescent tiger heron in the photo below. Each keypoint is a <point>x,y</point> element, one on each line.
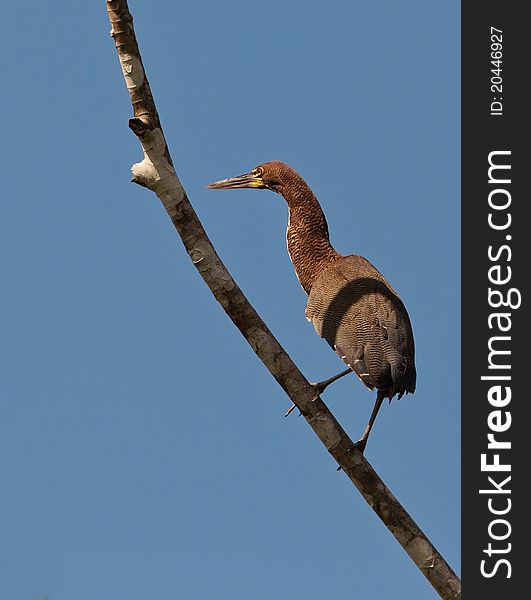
<point>350,304</point>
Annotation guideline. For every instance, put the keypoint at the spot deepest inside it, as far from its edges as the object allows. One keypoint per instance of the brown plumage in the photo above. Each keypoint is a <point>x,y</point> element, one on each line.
<point>350,303</point>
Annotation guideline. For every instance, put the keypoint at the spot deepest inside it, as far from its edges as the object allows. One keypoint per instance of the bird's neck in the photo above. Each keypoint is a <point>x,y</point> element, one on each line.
<point>307,236</point>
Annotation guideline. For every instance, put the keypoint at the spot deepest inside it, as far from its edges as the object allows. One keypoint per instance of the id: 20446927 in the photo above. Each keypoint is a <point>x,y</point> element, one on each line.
<point>496,79</point>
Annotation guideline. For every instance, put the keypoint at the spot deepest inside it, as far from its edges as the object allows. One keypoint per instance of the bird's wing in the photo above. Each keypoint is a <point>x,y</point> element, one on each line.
<point>358,313</point>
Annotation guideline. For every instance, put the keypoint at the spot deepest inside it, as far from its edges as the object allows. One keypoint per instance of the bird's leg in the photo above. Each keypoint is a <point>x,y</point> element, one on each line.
<point>321,386</point>
<point>362,442</point>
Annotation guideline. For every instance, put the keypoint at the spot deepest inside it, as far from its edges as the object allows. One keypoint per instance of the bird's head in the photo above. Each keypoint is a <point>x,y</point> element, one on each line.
<point>273,175</point>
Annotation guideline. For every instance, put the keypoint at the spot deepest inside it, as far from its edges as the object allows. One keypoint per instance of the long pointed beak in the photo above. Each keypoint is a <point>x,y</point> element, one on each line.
<point>248,180</point>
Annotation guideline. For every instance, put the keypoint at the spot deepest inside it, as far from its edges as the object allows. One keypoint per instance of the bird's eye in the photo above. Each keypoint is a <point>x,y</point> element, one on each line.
<point>258,172</point>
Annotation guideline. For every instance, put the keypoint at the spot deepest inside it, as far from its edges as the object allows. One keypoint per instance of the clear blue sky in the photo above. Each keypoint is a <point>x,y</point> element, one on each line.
<point>143,448</point>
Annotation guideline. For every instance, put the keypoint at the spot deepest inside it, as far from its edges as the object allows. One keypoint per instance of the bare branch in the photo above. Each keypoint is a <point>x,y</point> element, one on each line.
<point>156,172</point>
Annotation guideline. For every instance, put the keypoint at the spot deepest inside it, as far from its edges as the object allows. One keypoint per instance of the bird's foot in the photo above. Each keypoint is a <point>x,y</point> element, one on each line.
<point>318,388</point>
<point>360,445</point>
<point>321,386</point>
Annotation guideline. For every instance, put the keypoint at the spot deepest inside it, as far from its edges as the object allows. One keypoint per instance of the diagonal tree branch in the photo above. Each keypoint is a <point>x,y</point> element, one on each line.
<point>156,172</point>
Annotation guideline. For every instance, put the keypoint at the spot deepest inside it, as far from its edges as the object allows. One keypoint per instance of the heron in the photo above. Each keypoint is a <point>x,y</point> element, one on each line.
<point>350,303</point>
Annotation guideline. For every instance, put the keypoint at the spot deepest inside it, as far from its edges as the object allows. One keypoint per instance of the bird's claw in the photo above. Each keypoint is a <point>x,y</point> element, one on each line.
<point>291,409</point>
<point>318,388</point>
<point>360,445</point>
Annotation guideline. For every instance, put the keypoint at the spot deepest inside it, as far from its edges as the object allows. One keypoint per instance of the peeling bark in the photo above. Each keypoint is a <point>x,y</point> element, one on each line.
<point>156,172</point>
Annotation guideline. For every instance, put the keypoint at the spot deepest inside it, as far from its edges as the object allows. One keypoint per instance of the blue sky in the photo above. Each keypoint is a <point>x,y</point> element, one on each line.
<point>143,448</point>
